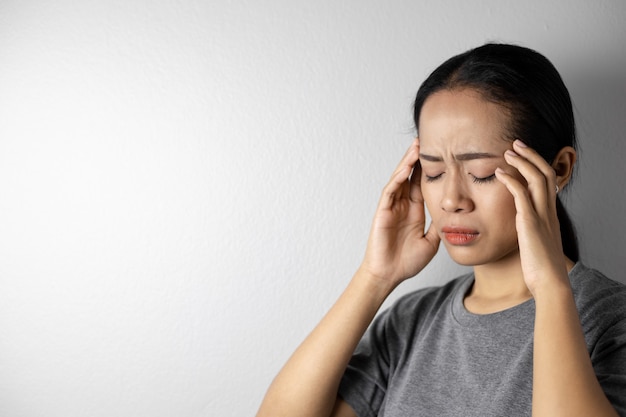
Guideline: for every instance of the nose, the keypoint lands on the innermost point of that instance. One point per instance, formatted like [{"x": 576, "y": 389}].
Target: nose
[{"x": 455, "y": 198}]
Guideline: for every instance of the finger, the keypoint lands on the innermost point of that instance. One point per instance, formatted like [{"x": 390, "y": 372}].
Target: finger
[
  {"x": 399, "y": 184},
  {"x": 521, "y": 197},
  {"x": 541, "y": 164},
  {"x": 395, "y": 188},
  {"x": 415, "y": 190},
  {"x": 526, "y": 212},
  {"x": 410, "y": 157},
  {"x": 432, "y": 236},
  {"x": 539, "y": 189}
]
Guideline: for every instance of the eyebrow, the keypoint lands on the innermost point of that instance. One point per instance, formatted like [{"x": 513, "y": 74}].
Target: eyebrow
[{"x": 460, "y": 157}]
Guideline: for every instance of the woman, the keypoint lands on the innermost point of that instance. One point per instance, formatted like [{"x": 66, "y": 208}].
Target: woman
[{"x": 532, "y": 331}]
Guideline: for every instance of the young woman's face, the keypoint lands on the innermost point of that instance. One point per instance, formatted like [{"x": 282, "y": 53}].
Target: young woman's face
[{"x": 462, "y": 142}]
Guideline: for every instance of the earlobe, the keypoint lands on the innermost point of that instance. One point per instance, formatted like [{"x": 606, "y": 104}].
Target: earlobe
[{"x": 563, "y": 165}]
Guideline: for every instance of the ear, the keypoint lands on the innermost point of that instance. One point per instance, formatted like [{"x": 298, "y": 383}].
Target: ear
[{"x": 563, "y": 165}]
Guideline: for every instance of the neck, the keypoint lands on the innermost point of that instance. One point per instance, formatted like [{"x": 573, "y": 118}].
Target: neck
[{"x": 499, "y": 286}]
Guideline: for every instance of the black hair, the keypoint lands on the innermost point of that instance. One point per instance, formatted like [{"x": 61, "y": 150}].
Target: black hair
[{"x": 530, "y": 89}]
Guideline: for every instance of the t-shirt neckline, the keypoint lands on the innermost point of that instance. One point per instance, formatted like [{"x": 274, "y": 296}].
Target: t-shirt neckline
[{"x": 518, "y": 312}]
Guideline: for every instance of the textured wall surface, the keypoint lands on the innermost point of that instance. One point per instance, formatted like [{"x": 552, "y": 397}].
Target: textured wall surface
[{"x": 186, "y": 186}]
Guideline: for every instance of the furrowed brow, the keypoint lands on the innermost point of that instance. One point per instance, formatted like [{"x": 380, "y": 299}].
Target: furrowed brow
[
  {"x": 430, "y": 158},
  {"x": 460, "y": 157},
  {"x": 474, "y": 155}
]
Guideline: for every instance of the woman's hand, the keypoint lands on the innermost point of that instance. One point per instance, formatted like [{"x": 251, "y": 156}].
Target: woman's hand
[
  {"x": 398, "y": 248},
  {"x": 564, "y": 381},
  {"x": 537, "y": 224}
]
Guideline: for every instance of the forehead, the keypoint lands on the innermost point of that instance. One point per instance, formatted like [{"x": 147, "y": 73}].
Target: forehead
[{"x": 462, "y": 121}]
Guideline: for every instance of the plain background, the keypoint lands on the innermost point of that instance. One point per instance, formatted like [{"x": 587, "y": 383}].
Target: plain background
[{"x": 187, "y": 186}]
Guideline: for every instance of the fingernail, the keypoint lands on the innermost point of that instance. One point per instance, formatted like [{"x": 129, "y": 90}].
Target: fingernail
[
  {"x": 521, "y": 144},
  {"x": 510, "y": 152}
]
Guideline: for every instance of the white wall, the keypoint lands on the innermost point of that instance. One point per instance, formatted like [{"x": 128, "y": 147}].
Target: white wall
[{"x": 186, "y": 186}]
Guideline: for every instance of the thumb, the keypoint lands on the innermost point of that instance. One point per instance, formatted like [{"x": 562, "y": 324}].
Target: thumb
[
  {"x": 432, "y": 236},
  {"x": 415, "y": 193}
]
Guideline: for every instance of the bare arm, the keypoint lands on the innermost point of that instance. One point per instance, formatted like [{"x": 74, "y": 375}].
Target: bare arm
[
  {"x": 564, "y": 382},
  {"x": 397, "y": 249},
  {"x": 307, "y": 385}
]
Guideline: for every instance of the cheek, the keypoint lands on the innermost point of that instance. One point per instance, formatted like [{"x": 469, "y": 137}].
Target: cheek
[{"x": 502, "y": 206}]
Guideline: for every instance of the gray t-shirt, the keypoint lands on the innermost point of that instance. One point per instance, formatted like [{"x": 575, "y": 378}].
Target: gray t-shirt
[{"x": 428, "y": 356}]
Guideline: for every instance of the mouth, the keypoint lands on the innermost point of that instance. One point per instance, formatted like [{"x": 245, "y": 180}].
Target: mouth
[{"x": 459, "y": 236}]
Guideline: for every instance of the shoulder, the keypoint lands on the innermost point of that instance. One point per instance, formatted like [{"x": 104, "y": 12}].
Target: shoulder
[
  {"x": 601, "y": 301},
  {"x": 413, "y": 313},
  {"x": 592, "y": 288}
]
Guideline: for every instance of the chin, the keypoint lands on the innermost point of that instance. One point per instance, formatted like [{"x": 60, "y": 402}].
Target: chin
[
  {"x": 466, "y": 262},
  {"x": 463, "y": 256},
  {"x": 473, "y": 256}
]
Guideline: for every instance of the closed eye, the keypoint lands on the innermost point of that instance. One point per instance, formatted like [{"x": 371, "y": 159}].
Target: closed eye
[
  {"x": 432, "y": 178},
  {"x": 483, "y": 180}
]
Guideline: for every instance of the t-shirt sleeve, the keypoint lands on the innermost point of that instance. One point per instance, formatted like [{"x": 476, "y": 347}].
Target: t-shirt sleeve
[
  {"x": 378, "y": 355},
  {"x": 364, "y": 382},
  {"x": 609, "y": 362},
  {"x": 602, "y": 310}
]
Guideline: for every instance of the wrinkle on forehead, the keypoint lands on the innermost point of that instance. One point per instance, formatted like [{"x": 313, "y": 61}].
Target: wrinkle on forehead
[
  {"x": 462, "y": 125},
  {"x": 460, "y": 157}
]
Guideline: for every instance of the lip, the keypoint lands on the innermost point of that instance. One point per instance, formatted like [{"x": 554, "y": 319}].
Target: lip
[{"x": 459, "y": 236}]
